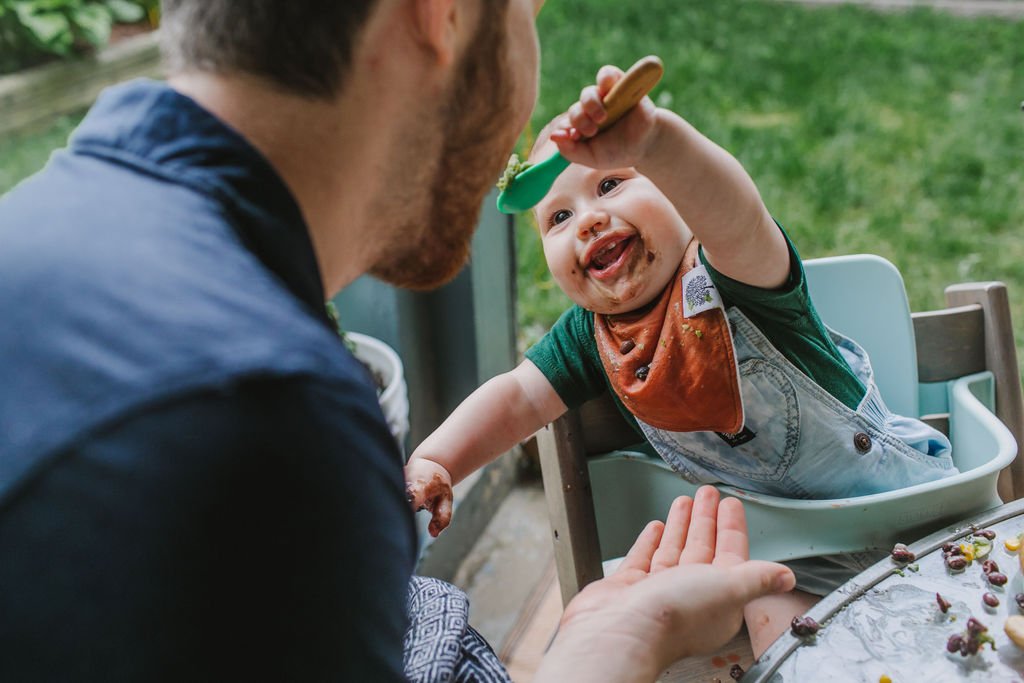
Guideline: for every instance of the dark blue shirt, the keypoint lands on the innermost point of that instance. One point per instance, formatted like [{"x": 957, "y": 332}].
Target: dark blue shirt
[{"x": 196, "y": 481}]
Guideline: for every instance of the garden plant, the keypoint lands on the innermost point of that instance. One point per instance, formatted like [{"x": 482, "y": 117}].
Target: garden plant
[{"x": 34, "y": 31}]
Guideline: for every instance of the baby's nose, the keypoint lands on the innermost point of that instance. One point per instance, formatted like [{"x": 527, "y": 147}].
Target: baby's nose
[{"x": 590, "y": 224}]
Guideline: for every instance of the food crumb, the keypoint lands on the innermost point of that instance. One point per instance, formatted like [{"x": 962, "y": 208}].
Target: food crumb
[
  {"x": 803, "y": 627},
  {"x": 902, "y": 554},
  {"x": 512, "y": 169}
]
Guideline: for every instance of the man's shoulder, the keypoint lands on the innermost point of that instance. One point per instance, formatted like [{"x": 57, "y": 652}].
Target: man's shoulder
[{"x": 112, "y": 304}]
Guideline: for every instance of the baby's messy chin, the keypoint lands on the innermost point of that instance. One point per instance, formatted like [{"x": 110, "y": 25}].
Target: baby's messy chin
[{"x": 624, "y": 297}]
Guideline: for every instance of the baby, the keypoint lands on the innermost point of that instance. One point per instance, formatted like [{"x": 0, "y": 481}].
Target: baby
[{"x": 691, "y": 306}]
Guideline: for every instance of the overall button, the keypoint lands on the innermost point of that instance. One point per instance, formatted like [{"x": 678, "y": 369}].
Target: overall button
[
  {"x": 862, "y": 442},
  {"x": 641, "y": 372},
  {"x": 627, "y": 346}
]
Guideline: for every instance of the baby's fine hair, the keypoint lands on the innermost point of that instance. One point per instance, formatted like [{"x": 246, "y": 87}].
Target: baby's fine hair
[{"x": 544, "y": 135}]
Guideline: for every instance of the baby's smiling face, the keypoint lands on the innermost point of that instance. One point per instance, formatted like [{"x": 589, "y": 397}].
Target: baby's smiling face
[{"x": 611, "y": 239}]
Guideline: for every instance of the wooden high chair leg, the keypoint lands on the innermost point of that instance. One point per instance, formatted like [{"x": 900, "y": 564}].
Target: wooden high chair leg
[{"x": 570, "y": 504}]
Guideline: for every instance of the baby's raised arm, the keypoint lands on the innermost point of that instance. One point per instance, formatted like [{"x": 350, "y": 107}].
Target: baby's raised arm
[
  {"x": 501, "y": 413},
  {"x": 707, "y": 185}
]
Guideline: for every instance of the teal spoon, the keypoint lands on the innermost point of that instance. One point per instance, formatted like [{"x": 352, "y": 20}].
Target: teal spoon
[{"x": 531, "y": 184}]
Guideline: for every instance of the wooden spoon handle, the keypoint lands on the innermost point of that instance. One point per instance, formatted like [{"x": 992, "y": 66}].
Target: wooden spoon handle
[{"x": 631, "y": 88}]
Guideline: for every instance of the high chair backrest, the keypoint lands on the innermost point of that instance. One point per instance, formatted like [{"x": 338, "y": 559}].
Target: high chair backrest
[
  {"x": 914, "y": 357},
  {"x": 863, "y": 297}
]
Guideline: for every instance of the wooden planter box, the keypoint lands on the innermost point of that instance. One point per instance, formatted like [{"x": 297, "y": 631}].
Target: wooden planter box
[{"x": 37, "y": 94}]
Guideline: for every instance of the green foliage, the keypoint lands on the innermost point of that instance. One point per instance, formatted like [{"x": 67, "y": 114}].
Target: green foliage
[
  {"x": 32, "y": 31},
  {"x": 898, "y": 134},
  {"x": 24, "y": 153}
]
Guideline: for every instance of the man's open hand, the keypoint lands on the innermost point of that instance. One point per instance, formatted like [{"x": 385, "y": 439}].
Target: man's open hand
[{"x": 679, "y": 591}]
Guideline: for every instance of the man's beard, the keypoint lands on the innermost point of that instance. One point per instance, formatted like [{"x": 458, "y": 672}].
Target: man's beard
[{"x": 430, "y": 248}]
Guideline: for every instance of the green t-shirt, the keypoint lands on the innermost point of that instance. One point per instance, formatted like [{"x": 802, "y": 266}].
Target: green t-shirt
[{"x": 567, "y": 354}]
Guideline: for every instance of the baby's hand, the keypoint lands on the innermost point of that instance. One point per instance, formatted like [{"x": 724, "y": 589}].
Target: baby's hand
[
  {"x": 624, "y": 144},
  {"x": 428, "y": 486}
]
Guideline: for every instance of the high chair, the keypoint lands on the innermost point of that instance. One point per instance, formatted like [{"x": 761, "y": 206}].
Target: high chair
[{"x": 956, "y": 368}]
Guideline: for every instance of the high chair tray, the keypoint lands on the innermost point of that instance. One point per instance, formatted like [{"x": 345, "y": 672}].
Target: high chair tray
[
  {"x": 637, "y": 486},
  {"x": 886, "y": 621}
]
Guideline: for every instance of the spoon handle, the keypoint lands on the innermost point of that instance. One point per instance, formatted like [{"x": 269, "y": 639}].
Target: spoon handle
[{"x": 631, "y": 88}]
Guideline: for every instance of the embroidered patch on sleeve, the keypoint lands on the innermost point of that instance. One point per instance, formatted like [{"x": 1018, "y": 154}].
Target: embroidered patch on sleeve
[
  {"x": 699, "y": 293},
  {"x": 739, "y": 438}
]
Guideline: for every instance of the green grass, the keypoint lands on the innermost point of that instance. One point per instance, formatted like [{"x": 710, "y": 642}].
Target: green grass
[
  {"x": 894, "y": 134},
  {"x": 24, "y": 153}
]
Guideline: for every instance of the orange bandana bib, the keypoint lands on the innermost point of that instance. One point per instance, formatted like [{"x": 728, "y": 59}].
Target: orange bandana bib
[{"x": 672, "y": 372}]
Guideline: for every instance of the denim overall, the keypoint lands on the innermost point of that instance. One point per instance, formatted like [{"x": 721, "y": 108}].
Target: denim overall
[{"x": 798, "y": 440}]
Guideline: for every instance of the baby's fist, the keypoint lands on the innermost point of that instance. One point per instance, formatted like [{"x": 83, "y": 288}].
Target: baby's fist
[{"x": 428, "y": 486}]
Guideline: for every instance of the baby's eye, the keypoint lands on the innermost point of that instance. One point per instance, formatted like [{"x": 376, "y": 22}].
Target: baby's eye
[
  {"x": 560, "y": 216},
  {"x": 607, "y": 185}
]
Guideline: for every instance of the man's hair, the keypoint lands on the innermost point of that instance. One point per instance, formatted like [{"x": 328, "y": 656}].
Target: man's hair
[{"x": 301, "y": 46}]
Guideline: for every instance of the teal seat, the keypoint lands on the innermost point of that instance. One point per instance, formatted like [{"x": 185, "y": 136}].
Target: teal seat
[{"x": 956, "y": 368}]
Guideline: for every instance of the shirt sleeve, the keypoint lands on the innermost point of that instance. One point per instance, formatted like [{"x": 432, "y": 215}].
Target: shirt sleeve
[
  {"x": 258, "y": 531},
  {"x": 787, "y": 318},
  {"x": 785, "y": 305},
  {"x": 567, "y": 356}
]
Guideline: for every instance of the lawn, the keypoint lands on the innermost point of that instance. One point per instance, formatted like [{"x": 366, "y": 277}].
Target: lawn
[{"x": 894, "y": 134}]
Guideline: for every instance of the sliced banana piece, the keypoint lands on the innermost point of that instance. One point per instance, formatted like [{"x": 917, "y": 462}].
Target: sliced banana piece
[{"x": 1014, "y": 628}]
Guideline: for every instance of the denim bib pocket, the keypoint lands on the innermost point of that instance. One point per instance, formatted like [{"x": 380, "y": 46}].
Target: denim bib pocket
[{"x": 771, "y": 412}]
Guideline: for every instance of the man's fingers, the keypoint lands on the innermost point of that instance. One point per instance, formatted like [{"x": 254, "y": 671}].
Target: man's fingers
[
  {"x": 674, "y": 537},
  {"x": 701, "y": 536},
  {"x": 756, "y": 578},
  {"x": 732, "y": 546},
  {"x": 639, "y": 556}
]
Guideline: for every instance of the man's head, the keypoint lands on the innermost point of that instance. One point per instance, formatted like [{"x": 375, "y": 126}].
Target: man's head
[
  {"x": 393, "y": 120},
  {"x": 487, "y": 105},
  {"x": 303, "y": 47},
  {"x": 612, "y": 240}
]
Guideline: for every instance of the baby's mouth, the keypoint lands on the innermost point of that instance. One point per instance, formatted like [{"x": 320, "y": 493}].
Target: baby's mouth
[{"x": 610, "y": 258}]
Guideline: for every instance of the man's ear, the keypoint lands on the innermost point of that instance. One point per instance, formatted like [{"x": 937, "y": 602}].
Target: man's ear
[{"x": 437, "y": 25}]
